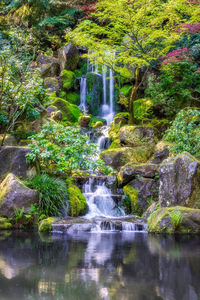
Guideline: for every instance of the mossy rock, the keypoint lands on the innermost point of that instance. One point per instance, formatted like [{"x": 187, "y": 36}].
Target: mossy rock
[
  {"x": 95, "y": 120},
  {"x": 97, "y": 124},
  {"x": 174, "y": 220},
  {"x": 115, "y": 144},
  {"x": 70, "y": 111},
  {"x": 132, "y": 195},
  {"x": 134, "y": 136},
  {"x": 84, "y": 121},
  {"x": 5, "y": 224},
  {"x": 77, "y": 201},
  {"x": 118, "y": 157},
  {"x": 51, "y": 83},
  {"x": 161, "y": 125},
  {"x": 73, "y": 98},
  {"x": 46, "y": 224},
  {"x": 67, "y": 78},
  {"x": 121, "y": 118}
]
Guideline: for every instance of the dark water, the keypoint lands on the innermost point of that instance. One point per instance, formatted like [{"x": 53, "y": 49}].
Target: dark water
[{"x": 93, "y": 266}]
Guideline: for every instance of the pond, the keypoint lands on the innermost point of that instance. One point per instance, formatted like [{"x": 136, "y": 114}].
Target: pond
[{"x": 92, "y": 266}]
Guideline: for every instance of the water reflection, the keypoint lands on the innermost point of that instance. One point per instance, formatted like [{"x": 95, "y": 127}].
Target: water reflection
[{"x": 92, "y": 266}]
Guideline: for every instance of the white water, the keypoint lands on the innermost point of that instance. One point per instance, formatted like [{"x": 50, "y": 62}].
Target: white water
[
  {"x": 83, "y": 95},
  {"x": 103, "y": 140},
  {"x": 100, "y": 201}
]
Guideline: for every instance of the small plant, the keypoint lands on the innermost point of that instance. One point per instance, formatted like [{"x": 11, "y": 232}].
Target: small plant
[
  {"x": 18, "y": 212},
  {"x": 175, "y": 217},
  {"x": 52, "y": 195}
]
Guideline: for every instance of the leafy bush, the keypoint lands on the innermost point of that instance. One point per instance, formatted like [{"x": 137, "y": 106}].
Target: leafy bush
[
  {"x": 185, "y": 132},
  {"x": 52, "y": 194},
  {"x": 60, "y": 150}
]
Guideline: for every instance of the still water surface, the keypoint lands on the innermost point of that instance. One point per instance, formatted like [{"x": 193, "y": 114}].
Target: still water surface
[{"x": 94, "y": 266}]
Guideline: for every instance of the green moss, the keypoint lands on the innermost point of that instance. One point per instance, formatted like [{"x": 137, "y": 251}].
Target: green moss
[
  {"x": 141, "y": 108},
  {"x": 95, "y": 120},
  {"x": 115, "y": 144},
  {"x": 46, "y": 225},
  {"x": 5, "y": 224},
  {"x": 132, "y": 195},
  {"x": 77, "y": 202},
  {"x": 67, "y": 78},
  {"x": 70, "y": 111},
  {"x": 73, "y": 98},
  {"x": 97, "y": 124}
]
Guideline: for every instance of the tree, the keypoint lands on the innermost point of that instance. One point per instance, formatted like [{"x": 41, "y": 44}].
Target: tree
[
  {"x": 138, "y": 32},
  {"x": 21, "y": 92}
]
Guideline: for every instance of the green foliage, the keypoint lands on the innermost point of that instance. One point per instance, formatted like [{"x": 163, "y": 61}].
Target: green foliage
[
  {"x": 77, "y": 202},
  {"x": 185, "y": 132},
  {"x": 175, "y": 88},
  {"x": 60, "y": 150},
  {"x": 18, "y": 214},
  {"x": 21, "y": 91},
  {"x": 52, "y": 194},
  {"x": 141, "y": 108},
  {"x": 67, "y": 79},
  {"x": 175, "y": 217}
]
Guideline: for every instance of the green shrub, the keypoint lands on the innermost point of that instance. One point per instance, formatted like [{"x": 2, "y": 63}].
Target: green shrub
[
  {"x": 53, "y": 193},
  {"x": 175, "y": 217},
  {"x": 185, "y": 132}
]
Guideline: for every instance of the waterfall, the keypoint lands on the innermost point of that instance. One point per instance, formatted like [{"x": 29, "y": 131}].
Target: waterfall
[
  {"x": 103, "y": 141},
  {"x": 83, "y": 95},
  {"x": 100, "y": 201},
  {"x": 104, "y": 85}
]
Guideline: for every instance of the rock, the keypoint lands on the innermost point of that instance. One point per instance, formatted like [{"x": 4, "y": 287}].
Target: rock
[
  {"x": 161, "y": 153},
  {"x": 49, "y": 66},
  {"x": 142, "y": 191},
  {"x": 51, "y": 83},
  {"x": 150, "y": 209},
  {"x": 70, "y": 111},
  {"x": 180, "y": 181},
  {"x": 13, "y": 160},
  {"x": 134, "y": 136},
  {"x": 9, "y": 140},
  {"x": 50, "y": 109},
  {"x": 14, "y": 194},
  {"x": 57, "y": 116},
  {"x": 121, "y": 118},
  {"x": 46, "y": 224},
  {"x": 97, "y": 124},
  {"x": 132, "y": 170},
  {"x": 119, "y": 157},
  {"x": 84, "y": 121},
  {"x": 5, "y": 224},
  {"x": 68, "y": 57},
  {"x": 174, "y": 220},
  {"x": 77, "y": 201}
]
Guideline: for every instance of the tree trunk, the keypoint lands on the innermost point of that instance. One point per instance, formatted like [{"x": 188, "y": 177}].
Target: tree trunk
[{"x": 133, "y": 96}]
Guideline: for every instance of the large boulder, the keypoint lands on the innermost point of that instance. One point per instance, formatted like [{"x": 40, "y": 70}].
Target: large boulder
[
  {"x": 131, "y": 170},
  {"x": 15, "y": 195},
  {"x": 134, "y": 136},
  {"x": 49, "y": 66},
  {"x": 51, "y": 84},
  {"x": 180, "y": 181},
  {"x": 119, "y": 157},
  {"x": 68, "y": 57},
  {"x": 13, "y": 160},
  {"x": 142, "y": 192},
  {"x": 174, "y": 220}
]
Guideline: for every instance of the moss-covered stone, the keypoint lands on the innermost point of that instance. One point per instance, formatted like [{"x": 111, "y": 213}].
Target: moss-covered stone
[
  {"x": 84, "y": 121},
  {"x": 77, "y": 202},
  {"x": 115, "y": 144},
  {"x": 97, "y": 124},
  {"x": 118, "y": 157},
  {"x": 70, "y": 111},
  {"x": 174, "y": 220},
  {"x": 5, "y": 224},
  {"x": 67, "y": 78},
  {"x": 132, "y": 195},
  {"x": 121, "y": 118},
  {"x": 73, "y": 98},
  {"x": 46, "y": 224},
  {"x": 51, "y": 83}
]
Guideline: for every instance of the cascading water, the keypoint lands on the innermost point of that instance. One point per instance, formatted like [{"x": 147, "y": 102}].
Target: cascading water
[
  {"x": 100, "y": 201},
  {"x": 83, "y": 95}
]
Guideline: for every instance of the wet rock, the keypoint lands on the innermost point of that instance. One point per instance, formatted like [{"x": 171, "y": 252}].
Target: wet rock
[
  {"x": 161, "y": 153},
  {"x": 134, "y": 136},
  {"x": 15, "y": 195},
  {"x": 174, "y": 220},
  {"x": 13, "y": 160},
  {"x": 84, "y": 121},
  {"x": 180, "y": 181},
  {"x": 150, "y": 209},
  {"x": 51, "y": 83},
  {"x": 95, "y": 90},
  {"x": 68, "y": 57},
  {"x": 142, "y": 192},
  {"x": 131, "y": 170},
  {"x": 49, "y": 66}
]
